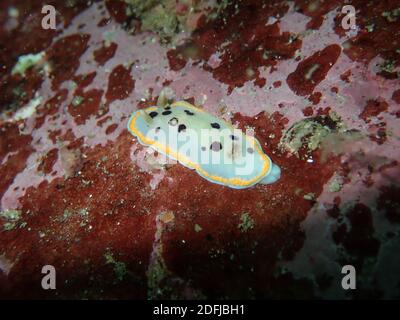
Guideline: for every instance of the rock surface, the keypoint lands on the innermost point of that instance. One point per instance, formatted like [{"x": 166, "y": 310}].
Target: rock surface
[{"x": 78, "y": 192}]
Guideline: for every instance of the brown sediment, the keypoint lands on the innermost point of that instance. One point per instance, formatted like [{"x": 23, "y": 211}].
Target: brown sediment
[
  {"x": 312, "y": 70},
  {"x": 64, "y": 55},
  {"x": 105, "y": 53},
  {"x": 120, "y": 84}
]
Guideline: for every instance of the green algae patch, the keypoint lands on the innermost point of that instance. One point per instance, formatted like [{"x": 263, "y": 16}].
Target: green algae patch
[
  {"x": 157, "y": 16},
  {"x": 168, "y": 19},
  {"x": 336, "y": 184},
  {"x": 392, "y": 16},
  {"x": 308, "y": 134},
  {"x": 246, "y": 222},
  {"x": 120, "y": 269},
  {"x": 11, "y": 218},
  {"x": 197, "y": 228},
  {"x": 77, "y": 100},
  {"x": 28, "y": 110},
  {"x": 156, "y": 276},
  {"x": 160, "y": 20},
  {"x": 80, "y": 216},
  {"x": 309, "y": 196},
  {"x": 66, "y": 214},
  {"x": 27, "y": 61}
]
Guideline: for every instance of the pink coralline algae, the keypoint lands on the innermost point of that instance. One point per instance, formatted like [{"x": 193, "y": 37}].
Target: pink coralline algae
[{"x": 78, "y": 192}]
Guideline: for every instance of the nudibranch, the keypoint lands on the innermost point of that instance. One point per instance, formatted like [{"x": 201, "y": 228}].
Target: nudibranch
[{"x": 200, "y": 141}]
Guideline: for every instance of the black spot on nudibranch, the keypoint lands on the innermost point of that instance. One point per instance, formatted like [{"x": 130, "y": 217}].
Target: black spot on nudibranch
[
  {"x": 158, "y": 129},
  {"x": 190, "y": 113},
  {"x": 235, "y": 138},
  {"x": 181, "y": 127},
  {"x": 215, "y": 125},
  {"x": 165, "y": 113},
  {"x": 203, "y": 148},
  {"x": 167, "y": 108},
  {"x": 173, "y": 122},
  {"x": 216, "y": 146},
  {"x": 250, "y": 150},
  {"x": 153, "y": 114}
]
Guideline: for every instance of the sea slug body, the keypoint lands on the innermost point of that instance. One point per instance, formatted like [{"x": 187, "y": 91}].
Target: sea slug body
[{"x": 200, "y": 141}]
